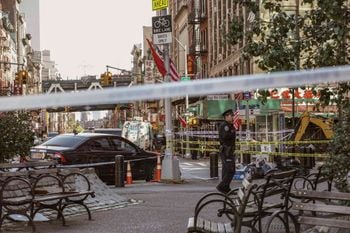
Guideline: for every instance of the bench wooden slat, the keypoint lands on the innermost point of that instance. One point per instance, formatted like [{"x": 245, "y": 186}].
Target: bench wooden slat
[
  {"x": 190, "y": 224},
  {"x": 324, "y": 222},
  {"x": 322, "y": 195},
  {"x": 200, "y": 223},
  {"x": 30, "y": 164},
  {"x": 17, "y": 201},
  {"x": 54, "y": 196},
  {"x": 214, "y": 227},
  {"x": 207, "y": 226},
  {"x": 228, "y": 228},
  {"x": 221, "y": 228},
  {"x": 43, "y": 171},
  {"x": 322, "y": 208},
  {"x": 14, "y": 174}
]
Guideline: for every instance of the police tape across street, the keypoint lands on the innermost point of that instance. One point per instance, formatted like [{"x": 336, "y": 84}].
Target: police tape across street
[{"x": 232, "y": 84}]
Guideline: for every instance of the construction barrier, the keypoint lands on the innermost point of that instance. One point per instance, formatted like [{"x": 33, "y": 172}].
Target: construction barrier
[
  {"x": 128, "y": 174},
  {"x": 158, "y": 171}
]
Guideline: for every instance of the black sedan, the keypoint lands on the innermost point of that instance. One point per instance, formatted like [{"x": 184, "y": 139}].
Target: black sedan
[{"x": 87, "y": 148}]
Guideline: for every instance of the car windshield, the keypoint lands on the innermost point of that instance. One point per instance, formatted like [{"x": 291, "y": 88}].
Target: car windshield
[{"x": 65, "y": 141}]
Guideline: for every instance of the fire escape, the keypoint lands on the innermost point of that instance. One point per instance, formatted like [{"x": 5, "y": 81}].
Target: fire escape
[{"x": 197, "y": 20}]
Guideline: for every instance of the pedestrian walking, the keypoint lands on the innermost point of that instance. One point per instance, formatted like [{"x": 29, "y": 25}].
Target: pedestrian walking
[{"x": 227, "y": 137}]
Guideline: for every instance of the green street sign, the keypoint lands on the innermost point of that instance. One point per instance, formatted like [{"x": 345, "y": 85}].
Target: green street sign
[
  {"x": 159, "y": 4},
  {"x": 184, "y": 78}
]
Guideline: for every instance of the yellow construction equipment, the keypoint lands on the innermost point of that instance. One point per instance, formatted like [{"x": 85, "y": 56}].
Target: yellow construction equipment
[{"x": 323, "y": 123}]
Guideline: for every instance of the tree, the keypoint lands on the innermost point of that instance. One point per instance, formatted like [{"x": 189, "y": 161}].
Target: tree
[
  {"x": 337, "y": 165},
  {"x": 291, "y": 41},
  {"x": 16, "y": 135},
  {"x": 285, "y": 41}
]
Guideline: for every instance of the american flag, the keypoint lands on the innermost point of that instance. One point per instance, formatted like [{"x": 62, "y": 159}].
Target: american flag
[
  {"x": 157, "y": 55},
  {"x": 236, "y": 120},
  {"x": 182, "y": 120}
]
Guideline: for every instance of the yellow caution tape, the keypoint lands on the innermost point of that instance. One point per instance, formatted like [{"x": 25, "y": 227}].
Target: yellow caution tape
[
  {"x": 284, "y": 154},
  {"x": 256, "y": 143}
]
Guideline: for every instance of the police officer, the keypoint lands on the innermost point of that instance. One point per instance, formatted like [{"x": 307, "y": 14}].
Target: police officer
[{"x": 227, "y": 137}]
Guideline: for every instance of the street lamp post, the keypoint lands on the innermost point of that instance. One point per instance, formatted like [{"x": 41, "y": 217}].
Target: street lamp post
[{"x": 188, "y": 154}]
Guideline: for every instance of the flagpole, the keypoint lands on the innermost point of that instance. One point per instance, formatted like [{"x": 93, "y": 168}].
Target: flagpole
[
  {"x": 187, "y": 153},
  {"x": 170, "y": 164}
]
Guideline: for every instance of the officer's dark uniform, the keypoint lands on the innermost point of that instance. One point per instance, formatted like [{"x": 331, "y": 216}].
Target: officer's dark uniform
[{"x": 227, "y": 136}]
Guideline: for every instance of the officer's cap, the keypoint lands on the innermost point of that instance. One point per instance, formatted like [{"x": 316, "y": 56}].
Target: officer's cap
[{"x": 227, "y": 112}]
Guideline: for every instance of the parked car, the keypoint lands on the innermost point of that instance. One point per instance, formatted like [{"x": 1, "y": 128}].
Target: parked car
[{"x": 87, "y": 148}]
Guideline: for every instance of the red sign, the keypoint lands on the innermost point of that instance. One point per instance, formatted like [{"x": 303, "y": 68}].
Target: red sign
[{"x": 298, "y": 93}]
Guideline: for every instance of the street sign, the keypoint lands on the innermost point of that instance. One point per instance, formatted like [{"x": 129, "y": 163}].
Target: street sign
[
  {"x": 247, "y": 95},
  {"x": 184, "y": 78},
  {"x": 159, "y": 4},
  {"x": 161, "y": 29}
]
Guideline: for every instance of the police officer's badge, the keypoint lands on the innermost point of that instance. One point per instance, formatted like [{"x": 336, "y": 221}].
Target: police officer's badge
[{"x": 227, "y": 128}]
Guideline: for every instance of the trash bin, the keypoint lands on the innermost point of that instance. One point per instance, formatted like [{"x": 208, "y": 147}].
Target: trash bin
[{"x": 214, "y": 167}]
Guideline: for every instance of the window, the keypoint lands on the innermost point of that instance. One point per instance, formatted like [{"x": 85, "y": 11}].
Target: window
[
  {"x": 99, "y": 144},
  {"x": 64, "y": 141},
  {"x": 121, "y": 145}
]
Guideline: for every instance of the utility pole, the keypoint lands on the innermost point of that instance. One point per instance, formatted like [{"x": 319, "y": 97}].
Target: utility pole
[{"x": 170, "y": 163}]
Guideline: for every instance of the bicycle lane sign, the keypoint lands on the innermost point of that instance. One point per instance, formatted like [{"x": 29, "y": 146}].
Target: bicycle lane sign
[{"x": 161, "y": 29}]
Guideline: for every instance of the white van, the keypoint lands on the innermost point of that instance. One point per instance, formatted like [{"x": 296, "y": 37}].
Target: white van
[
  {"x": 138, "y": 132},
  {"x": 114, "y": 131}
]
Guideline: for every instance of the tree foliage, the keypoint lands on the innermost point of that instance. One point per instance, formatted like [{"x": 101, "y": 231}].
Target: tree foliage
[
  {"x": 316, "y": 37},
  {"x": 16, "y": 135},
  {"x": 337, "y": 165}
]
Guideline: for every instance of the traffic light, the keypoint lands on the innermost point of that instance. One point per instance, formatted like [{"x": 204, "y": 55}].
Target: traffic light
[
  {"x": 17, "y": 79},
  {"x": 109, "y": 78},
  {"x": 103, "y": 79},
  {"x": 106, "y": 79},
  {"x": 23, "y": 74}
]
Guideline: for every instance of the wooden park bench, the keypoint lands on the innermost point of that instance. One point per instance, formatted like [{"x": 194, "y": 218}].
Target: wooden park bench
[
  {"x": 313, "y": 181},
  {"x": 333, "y": 210},
  {"x": 28, "y": 192},
  {"x": 200, "y": 224},
  {"x": 247, "y": 209},
  {"x": 27, "y": 165}
]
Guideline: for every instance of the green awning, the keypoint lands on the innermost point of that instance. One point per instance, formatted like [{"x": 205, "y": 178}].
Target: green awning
[{"x": 217, "y": 107}]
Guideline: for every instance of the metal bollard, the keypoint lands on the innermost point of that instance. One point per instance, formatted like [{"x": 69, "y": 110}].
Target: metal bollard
[
  {"x": 214, "y": 167},
  {"x": 119, "y": 171}
]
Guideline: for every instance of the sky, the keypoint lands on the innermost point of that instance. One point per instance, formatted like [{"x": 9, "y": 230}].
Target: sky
[{"x": 86, "y": 35}]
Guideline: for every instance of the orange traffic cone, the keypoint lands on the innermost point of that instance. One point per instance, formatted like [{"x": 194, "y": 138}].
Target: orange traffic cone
[
  {"x": 158, "y": 171},
  {"x": 128, "y": 174}
]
